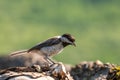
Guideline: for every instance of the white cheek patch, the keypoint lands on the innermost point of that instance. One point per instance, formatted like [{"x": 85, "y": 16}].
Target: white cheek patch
[
  {"x": 58, "y": 36},
  {"x": 65, "y": 40}
]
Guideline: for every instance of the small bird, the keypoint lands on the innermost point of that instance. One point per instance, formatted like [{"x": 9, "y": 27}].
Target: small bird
[
  {"x": 39, "y": 54},
  {"x": 52, "y": 46}
]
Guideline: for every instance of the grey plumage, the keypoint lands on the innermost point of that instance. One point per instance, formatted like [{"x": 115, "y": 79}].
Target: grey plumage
[
  {"x": 39, "y": 54},
  {"x": 54, "y": 45},
  {"x": 47, "y": 43}
]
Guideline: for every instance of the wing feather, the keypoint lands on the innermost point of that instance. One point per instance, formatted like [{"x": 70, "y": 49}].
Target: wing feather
[{"x": 49, "y": 42}]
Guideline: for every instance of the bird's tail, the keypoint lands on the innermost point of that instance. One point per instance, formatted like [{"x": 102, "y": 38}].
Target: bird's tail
[{"x": 18, "y": 52}]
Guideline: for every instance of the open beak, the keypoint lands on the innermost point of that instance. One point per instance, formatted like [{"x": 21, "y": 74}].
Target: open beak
[{"x": 74, "y": 44}]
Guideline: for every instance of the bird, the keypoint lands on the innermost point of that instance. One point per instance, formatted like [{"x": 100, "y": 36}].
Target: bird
[{"x": 54, "y": 45}]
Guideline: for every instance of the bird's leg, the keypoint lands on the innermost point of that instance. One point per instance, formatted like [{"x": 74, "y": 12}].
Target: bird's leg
[{"x": 50, "y": 60}]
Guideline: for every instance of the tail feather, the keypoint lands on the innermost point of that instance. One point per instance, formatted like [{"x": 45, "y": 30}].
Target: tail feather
[{"x": 18, "y": 52}]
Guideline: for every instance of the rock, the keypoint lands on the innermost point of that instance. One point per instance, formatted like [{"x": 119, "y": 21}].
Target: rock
[
  {"x": 91, "y": 71},
  {"x": 56, "y": 71},
  {"x": 87, "y": 70}
]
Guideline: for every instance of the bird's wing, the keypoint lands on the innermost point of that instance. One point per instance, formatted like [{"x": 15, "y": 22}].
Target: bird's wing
[{"x": 49, "y": 42}]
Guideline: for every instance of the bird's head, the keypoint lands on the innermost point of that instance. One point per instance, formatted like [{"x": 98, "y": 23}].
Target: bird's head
[{"x": 67, "y": 39}]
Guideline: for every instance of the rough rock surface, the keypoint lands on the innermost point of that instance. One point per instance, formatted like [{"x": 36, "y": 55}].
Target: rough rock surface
[
  {"x": 83, "y": 71},
  {"x": 91, "y": 71},
  {"x": 56, "y": 71}
]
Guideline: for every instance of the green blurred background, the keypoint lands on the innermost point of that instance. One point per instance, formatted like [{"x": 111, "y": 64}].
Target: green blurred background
[{"x": 94, "y": 23}]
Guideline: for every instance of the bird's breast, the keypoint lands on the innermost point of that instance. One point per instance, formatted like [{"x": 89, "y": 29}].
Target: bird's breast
[{"x": 52, "y": 50}]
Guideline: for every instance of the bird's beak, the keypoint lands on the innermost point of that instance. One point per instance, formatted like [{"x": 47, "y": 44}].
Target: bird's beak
[{"x": 73, "y": 44}]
